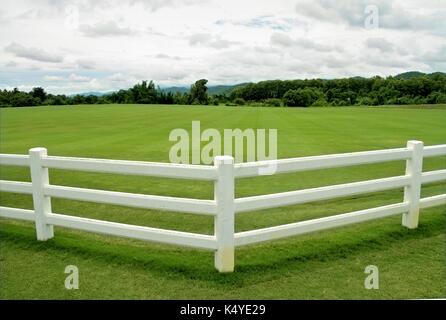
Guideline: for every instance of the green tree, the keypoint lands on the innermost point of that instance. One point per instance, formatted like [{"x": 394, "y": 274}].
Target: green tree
[
  {"x": 23, "y": 99},
  {"x": 299, "y": 97},
  {"x": 143, "y": 93},
  {"x": 239, "y": 102},
  {"x": 198, "y": 92},
  {"x": 39, "y": 94},
  {"x": 273, "y": 102}
]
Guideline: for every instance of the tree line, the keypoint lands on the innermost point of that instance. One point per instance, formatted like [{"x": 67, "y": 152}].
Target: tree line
[
  {"x": 143, "y": 93},
  {"x": 425, "y": 89},
  {"x": 420, "y": 89}
]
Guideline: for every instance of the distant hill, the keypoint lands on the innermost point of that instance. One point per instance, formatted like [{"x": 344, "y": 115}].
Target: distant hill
[
  {"x": 212, "y": 90},
  {"x": 91, "y": 93},
  {"x": 442, "y": 74},
  {"x": 226, "y": 89},
  {"x": 415, "y": 74},
  {"x": 176, "y": 89}
]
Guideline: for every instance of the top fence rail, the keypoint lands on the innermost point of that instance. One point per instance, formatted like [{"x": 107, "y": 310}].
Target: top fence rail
[
  {"x": 209, "y": 173},
  {"x": 143, "y": 168},
  {"x": 250, "y": 169}
]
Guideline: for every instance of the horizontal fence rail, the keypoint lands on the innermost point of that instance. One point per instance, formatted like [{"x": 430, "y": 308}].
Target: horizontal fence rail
[
  {"x": 434, "y": 151},
  {"x": 433, "y": 176},
  {"x": 207, "y": 207},
  {"x": 15, "y": 213},
  {"x": 134, "y": 232},
  {"x": 154, "y": 169},
  {"x": 292, "y": 229},
  {"x": 250, "y": 169},
  {"x": 16, "y": 187},
  {"x": 14, "y": 160},
  {"x": 322, "y": 193},
  {"x": 433, "y": 201},
  {"x": 224, "y": 206}
]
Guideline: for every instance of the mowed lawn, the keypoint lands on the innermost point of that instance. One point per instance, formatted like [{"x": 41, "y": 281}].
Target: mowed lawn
[{"x": 326, "y": 265}]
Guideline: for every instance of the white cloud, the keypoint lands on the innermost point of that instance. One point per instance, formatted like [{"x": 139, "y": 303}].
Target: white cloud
[
  {"x": 200, "y": 38},
  {"x": 113, "y": 44},
  {"x": 205, "y": 39},
  {"x": 32, "y": 53},
  {"x": 393, "y": 14},
  {"x": 11, "y": 64},
  {"x": 78, "y": 78},
  {"x": 166, "y": 56},
  {"x": 118, "y": 77},
  {"x": 265, "y": 22},
  {"x": 154, "y": 5},
  {"x": 85, "y": 63},
  {"x": 106, "y": 29},
  {"x": 381, "y": 44},
  {"x": 282, "y": 39},
  {"x": 53, "y": 78}
]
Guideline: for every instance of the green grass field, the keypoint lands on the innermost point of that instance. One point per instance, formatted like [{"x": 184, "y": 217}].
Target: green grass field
[{"x": 326, "y": 265}]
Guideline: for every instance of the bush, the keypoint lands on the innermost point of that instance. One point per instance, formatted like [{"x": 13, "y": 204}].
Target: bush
[
  {"x": 365, "y": 101},
  {"x": 300, "y": 97},
  {"x": 273, "y": 102},
  {"x": 436, "y": 97},
  {"x": 214, "y": 101},
  {"x": 321, "y": 102},
  {"x": 23, "y": 99},
  {"x": 405, "y": 100},
  {"x": 239, "y": 101}
]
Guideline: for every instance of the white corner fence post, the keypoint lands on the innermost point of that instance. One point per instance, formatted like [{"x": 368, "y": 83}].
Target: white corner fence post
[
  {"x": 224, "y": 220},
  {"x": 42, "y": 203},
  {"x": 414, "y": 169}
]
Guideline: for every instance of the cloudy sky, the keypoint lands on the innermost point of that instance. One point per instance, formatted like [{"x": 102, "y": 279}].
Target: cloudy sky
[{"x": 101, "y": 45}]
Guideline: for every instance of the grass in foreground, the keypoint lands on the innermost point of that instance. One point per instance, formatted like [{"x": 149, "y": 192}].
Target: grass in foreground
[{"x": 322, "y": 265}]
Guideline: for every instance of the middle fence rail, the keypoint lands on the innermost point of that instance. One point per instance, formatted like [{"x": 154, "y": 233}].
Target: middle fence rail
[{"x": 224, "y": 206}]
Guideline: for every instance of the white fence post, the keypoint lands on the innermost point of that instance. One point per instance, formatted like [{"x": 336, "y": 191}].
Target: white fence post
[
  {"x": 414, "y": 168},
  {"x": 42, "y": 203},
  {"x": 224, "y": 220}
]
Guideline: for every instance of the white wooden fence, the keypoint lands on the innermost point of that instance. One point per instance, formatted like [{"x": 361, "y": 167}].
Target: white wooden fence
[{"x": 224, "y": 206}]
